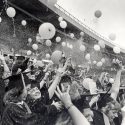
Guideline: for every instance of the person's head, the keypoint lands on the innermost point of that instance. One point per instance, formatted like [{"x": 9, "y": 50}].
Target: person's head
[
  {"x": 33, "y": 91},
  {"x": 110, "y": 107},
  {"x": 88, "y": 113}
]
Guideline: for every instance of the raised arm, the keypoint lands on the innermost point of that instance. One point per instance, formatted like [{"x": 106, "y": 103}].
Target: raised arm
[
  {"x": 116, "y": 86},
  {"x": 60, "y": 73},
  {"x": 77, "y": 117},
  {"x": 123, "y": 115},
  {"x": 6, "y": 68}
]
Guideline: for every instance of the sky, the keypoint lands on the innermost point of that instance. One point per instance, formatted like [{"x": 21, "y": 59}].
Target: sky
[{"x": 111, "y": 21}]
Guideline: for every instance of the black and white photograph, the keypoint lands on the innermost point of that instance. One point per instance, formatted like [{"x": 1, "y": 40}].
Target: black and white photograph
[{"x": 62, "y": 62}]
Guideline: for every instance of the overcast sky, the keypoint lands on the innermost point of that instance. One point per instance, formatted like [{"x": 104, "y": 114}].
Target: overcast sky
[{"x": 112, "y": 20}]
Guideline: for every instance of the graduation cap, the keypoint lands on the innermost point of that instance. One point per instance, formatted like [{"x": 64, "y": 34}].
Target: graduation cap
[
  {"x": 22, "y": 66},
  {"x": 15, "y": 80}
]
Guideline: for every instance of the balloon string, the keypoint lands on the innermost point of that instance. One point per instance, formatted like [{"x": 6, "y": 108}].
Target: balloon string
[{"x": 14, "y": 32}]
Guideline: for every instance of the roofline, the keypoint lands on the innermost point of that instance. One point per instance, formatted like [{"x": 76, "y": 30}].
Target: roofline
[{"x": 80, "y": 25}]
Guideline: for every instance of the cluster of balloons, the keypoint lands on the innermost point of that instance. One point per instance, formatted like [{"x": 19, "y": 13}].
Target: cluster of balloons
[{"x": 63, "y": 24}]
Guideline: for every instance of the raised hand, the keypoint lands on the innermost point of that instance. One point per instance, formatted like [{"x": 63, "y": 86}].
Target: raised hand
[
  {"x": 2, "y": 58},
  {"x": 64, "y": 96},
  {"x": 123, "y": 112},
  {"x": 58, "y": 105}
]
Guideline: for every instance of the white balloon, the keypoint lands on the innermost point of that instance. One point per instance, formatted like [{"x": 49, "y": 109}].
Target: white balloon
[
  {"x": 58, "y": 39},
  {"x": 82, "y": 48},
  {"x": 48, "y": 56},
  {"x": 112, "y": 36},
  {"x": 96, "y": 47},
  {"x": 99, "y": 64},
  {"x": 63, "y": 24},
  {"x": 103, "y": 60},
  {"x": 116, "y": 50},
  {"x": 87, "y": 57},
  {"x": 0, "y": 19},
  {"x": 111, "y": 80},
  {"x": 63, "y": 44},
  {"x": 48, "y": 43},
  {"x": 24, "y": 22},
  {"x": 101, "y": 44},
  {"x": 35, "y": 46},
  {"x": 29, "y": 52},
  {"x": 60, "y": 19},
  {"x": 72, "y": 35},
  {"x": 94, "y": 62},
  {"x": 81, "y": 33},
  {"x": 47, "y": 31},
  {"x": 11, "y": 12},
  {"x": 29, "y": 40},
  {"x": 71, "y": 46},
  {"x": 86, "y": 83}
]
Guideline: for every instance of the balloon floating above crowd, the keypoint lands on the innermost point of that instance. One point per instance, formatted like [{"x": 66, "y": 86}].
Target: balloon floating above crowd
[
  {"x": 35, "y": 46},
  {"x": 87, "y": 57},
  {"x": 48, "y": 56},
  {"x": 82, "y": 48},
  {"x": 58, "y": 39},
  {"x": 63, "y": 44},
  {"x": 116, "y": 50},
  {"x": 56, "y": 56},
  {"x": 63, "y": 24},
  {"x": 96, "y": 47},
  {"x": 99, "y": 64},
  {"x": 112, "y": 36},
  {"x": 81, "y": 33},
  {"x": 60, "y": 19},
  {"x": 98, "y": 13},
  {"x": 11, "y": 12},
  {"x": 48, "y": 43},
  {"x": 29, "y": 40},
  {"x": 29, "y": 52},
  {"x": 47, "y": 31},
  {"x": 24, "y": 23}
]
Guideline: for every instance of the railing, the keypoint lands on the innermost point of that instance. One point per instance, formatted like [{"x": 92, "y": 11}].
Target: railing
[{"x": 81, "y": 23}]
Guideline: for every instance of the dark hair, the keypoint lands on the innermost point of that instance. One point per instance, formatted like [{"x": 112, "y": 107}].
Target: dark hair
[
  {"x": 104, "y": 100},
  {"x": 66, "y": 78}
]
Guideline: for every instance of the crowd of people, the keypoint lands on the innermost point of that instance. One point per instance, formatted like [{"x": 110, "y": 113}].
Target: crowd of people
[{"x": 50, "y": 95}]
